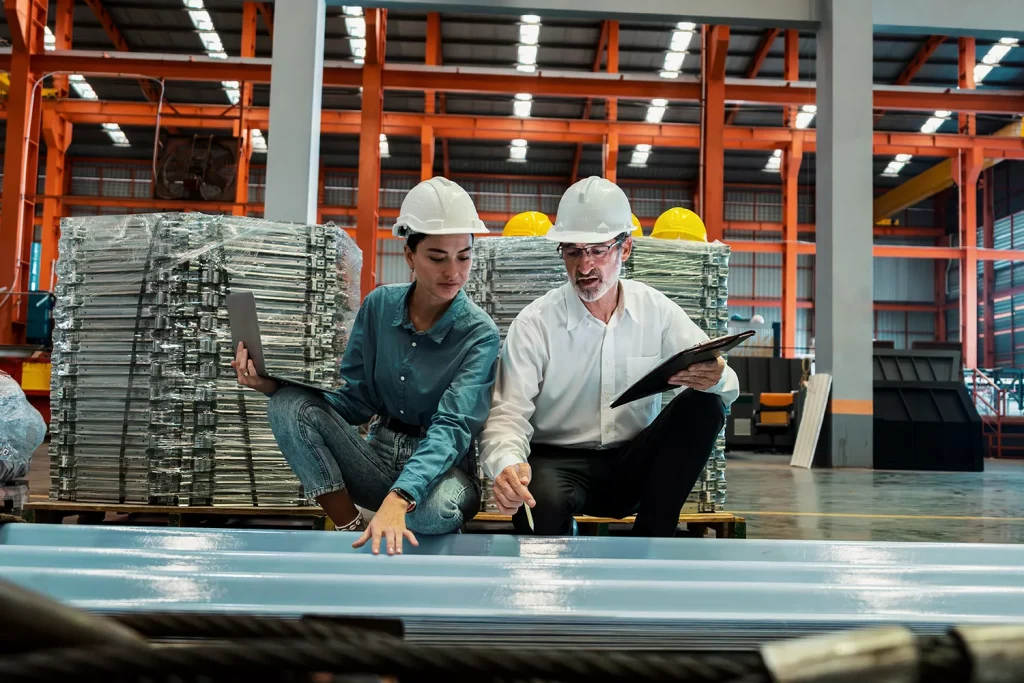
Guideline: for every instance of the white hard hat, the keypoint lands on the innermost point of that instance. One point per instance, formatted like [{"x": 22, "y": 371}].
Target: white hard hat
[
  {"x": 438, "y": 207},
  {"x": 591, "y": 211}
]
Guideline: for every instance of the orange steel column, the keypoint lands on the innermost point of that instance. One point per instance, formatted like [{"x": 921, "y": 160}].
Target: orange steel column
[
  {"x": 26, "y": 20},
  {"x": 369, "y": 146},
  {"x": 791, "y": 71},
  {"x": 57, "y": 134},
  {"x": 243, "y": 128},
  {"x": 712, "y": 149},
  {"x": 791, "y": 158},
  {"x": 610, "y": 151},
  {"x": 967, "y": 167},
  {"x": 433, "y": 58},
  {"x": 988, "y": 269}
]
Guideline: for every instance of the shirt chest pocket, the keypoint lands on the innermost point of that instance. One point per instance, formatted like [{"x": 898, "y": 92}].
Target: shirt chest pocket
[{"x": 638, "y": 366}]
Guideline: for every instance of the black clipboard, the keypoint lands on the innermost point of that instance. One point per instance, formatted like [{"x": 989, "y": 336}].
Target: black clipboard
[{"x": 656, "y": 381}]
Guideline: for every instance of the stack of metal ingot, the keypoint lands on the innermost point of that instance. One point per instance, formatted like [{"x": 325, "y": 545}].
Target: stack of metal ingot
[
  {"x": 510, "y": 272},
  {"x": 695, "y": 275},
  {"x": 146, "y": 407}
]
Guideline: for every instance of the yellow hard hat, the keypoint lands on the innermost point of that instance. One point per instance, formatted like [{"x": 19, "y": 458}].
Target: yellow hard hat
[
  {"x": 527, "y": 224},
  {"x": 638, "y": 230},
  {"x": 680, "y": 224}
]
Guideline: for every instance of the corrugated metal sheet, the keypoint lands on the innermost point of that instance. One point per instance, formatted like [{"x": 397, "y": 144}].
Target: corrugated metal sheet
[
  {"x": 391, "y": 265},
  {"x": 110, "y": 180},
  {"x": 898, "y": 279},
  {"x": 805, "y": 276}
]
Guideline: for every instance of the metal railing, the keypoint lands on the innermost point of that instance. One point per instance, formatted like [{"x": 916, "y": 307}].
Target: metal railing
[{"x": 992, "y": 402}]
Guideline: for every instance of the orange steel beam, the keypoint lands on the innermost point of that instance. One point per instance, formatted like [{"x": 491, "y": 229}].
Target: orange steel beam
[
  {"x": 602, "y": 41},
  {"x": 756, "y": 62},
  {"x": 538, "y": 129},
  {"x": 26, "y": 20},
  {"x": 924, "y": 53},
  {"x": 610, "y": 143},
  {"x": 266, "y": 11},
  {"x": 367, "y": 219},
  {"x": 898, "y": 306},
  {"x": 455, "y": 79},
  {"x": 808, "y": 228},
  {"x": 120, "y": 44},
  {"x": 243, "y": 128},
  {"x": 792, "y": 157},
  {"x": 57, "y": 135},
  {"x": 988, "y": 269},
  {"x": 714, "y": 51}
]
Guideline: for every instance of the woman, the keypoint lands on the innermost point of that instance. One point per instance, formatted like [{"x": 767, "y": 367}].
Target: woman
[{"x": 421, "y": 358}]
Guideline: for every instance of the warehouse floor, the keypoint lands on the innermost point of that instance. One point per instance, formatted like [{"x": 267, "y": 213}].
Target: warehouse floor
[{"x": 854, "y": 505}]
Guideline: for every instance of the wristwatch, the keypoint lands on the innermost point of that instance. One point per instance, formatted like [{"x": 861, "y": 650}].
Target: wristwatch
[{"x": 404, "y": 495}]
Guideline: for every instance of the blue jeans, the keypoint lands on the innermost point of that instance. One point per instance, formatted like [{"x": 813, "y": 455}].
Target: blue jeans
[{"x": 327, "y": 454}]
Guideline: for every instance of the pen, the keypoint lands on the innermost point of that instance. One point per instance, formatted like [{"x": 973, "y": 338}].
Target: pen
[{"x": 529, "y": 516}]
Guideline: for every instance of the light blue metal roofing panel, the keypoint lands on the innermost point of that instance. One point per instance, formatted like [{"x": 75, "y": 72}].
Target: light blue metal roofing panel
[{"x": 672, "y": 592}]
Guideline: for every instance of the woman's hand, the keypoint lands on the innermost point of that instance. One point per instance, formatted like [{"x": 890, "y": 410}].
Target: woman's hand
[
  {"x": 246, "y": 372},
  {"x": 389, "y": 523}
]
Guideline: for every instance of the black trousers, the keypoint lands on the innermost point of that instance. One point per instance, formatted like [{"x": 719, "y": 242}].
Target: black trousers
[{"x": 650, "y": 476}]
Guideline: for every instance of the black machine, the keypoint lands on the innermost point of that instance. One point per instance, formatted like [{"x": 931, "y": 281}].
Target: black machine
[{"x": 924, "y": 417}]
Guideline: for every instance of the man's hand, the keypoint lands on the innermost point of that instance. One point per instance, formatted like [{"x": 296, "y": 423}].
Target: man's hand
[
  {"x": 389, "y": 524},
  {"x": 510, "y": 490},
  {"x": 245, "y": 370},
  {"x": 701, "y": 376}
]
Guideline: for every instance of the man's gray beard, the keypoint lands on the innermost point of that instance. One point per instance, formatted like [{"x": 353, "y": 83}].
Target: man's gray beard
[{"x": 591, "y": 294}]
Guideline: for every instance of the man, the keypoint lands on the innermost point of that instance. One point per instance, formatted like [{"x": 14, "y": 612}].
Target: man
[{"x": 551, "y": 440}]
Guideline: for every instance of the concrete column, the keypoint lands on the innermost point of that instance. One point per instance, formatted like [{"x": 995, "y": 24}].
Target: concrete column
[
  {"x": 843, "y": 306},
  {"x": 296, "y": 84}
]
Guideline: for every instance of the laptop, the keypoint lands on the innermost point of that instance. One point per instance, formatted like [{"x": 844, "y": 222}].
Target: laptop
[
  {"x": 656, "y": 381},
  {"x": 245, "y": 328}
]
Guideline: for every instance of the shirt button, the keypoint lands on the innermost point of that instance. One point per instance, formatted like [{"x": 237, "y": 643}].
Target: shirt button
[
  {"x": 401, "y": 412},
  {"x": 402, "y": 378},
  {"x": 414, "y": 343}
]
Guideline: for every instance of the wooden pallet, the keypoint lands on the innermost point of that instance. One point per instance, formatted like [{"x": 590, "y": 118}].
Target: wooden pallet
[
  {"x": 725, "y": 524},
  {"x": 54, "y": 512}
]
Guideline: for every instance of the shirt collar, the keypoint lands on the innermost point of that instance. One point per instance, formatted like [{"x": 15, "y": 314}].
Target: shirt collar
[
  {"x": 576, "y": 311},
  {"x": 440, "y": 329}
]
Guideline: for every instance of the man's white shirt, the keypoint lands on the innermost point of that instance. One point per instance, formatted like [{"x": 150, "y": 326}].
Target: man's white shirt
[{"x": 560, "y": 368}]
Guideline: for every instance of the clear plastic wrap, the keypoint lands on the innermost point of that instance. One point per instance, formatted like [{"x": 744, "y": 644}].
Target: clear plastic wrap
[
  {"x": 22, "y": 429},
  {"x": 510, "y": 272},
  {"x": 145, "y": 405}
]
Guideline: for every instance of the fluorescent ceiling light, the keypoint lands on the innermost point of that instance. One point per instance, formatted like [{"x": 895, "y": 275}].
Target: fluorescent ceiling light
[
  {"x": 981, "y": 72},
  {"x": 352, "y": 11},
  {"x": 385, "y": 150},
  {"x": 519, "y": 142},
  {"x": 643, "y": 148},
  {"x": 526, "y": 68},
  {"x": 774, "y": 164},
  {"x": 674, "y": 61},
  {"x": 655, "y": 114},
  {"x": 521, "y": 108},
  {"x": 669, "y": 74},
  {"x": 686, "y": 26},
  {"x": 517, "y": 150},
  {"x": 680, "y": 41},
  {"x": 524, "y": 96},
  {"x": 355, "y": 27},
  {"x": 659, "y": 102},
  {"x": 639, "y": 159},
  {"x": 530, "y": 19},
  {"x": 527, "y": 54},
  {"x": 529, "y": 34}
]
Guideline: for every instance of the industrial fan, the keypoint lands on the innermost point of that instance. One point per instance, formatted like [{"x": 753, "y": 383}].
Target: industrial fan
[{"x": 200, "y": 167}]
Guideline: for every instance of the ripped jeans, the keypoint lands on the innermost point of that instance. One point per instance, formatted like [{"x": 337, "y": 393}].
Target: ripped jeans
[{"x": 327, "y": 454}]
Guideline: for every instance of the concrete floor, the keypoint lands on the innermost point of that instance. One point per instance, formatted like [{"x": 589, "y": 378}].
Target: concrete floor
[{"x": 854, "y": 505}]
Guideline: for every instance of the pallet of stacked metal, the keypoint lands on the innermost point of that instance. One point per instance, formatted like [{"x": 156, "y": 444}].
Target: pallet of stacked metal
[
  {"x": 209, "y": 442},
  {"x": 107, "y": 333},
  {"x": 695, "y": 275},
  {"x": 511, "y": 272}
]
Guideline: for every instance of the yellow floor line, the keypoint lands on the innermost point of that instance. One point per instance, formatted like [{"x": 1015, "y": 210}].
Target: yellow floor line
[{"x": 856, "y": 515}]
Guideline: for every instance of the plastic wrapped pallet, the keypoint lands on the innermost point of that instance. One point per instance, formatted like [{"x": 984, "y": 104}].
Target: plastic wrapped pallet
[
  {"x": 146, "y": 407},
  {"x": 22, "y": 429},
  {"x": 695, "y": 275},
  {"x": 510, "y": 272}
]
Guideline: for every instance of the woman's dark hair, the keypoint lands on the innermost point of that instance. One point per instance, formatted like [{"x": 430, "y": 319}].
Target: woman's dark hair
[{"x": 414, "y": 239}]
